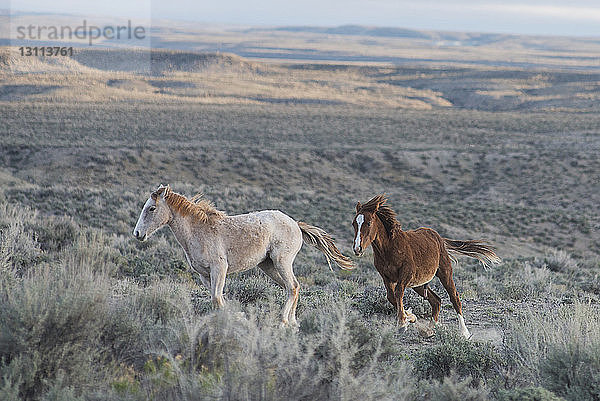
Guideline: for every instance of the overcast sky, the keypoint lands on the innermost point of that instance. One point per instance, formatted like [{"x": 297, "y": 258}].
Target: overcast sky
[{"x": 577, "y": 17}]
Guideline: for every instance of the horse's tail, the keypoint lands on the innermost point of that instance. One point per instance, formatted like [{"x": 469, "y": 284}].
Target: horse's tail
[
  {"x": 474, "y": 249},
  {"x": 323, "y": 242}
]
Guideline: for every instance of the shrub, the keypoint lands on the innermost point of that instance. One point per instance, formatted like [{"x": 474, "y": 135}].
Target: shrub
[
  {"x": 453, "y": 388},
  {"x": 55, "y": 233},
  {"x": 572, "y": 372},
  {"x": 58, "y": 391},
  {"x": 527, "y": 394},
  {"x": 50, "y": 325},
  {"x": 224, "y": 355},
  {"x": 136, "y": 320},
  {"x": 454, "y": 353},
  {"x": 373, "y": 300},
  {"x": 558, "y": 348},
  {"x": 560, "y": 261},
  {"x": 251, "y": 289},
  {"x": 528, "y": 282},
  {"x": 10, "y": 381},
  {"x": 146, "y": 261},
  {"x": 18, "y": 248},
  {"x": 95, "y": 251}
]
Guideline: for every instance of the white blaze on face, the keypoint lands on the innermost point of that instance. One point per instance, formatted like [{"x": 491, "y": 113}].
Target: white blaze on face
[
  {"x": 141, "y": 225},
  {"x": 360, "y": 219}
]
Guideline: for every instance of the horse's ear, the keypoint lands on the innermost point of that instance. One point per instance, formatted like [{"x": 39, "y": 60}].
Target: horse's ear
[
  {"x": 358, "y": 206},
  {"x": 162, "y": 191},
  {"x": 154, "y": 195}
]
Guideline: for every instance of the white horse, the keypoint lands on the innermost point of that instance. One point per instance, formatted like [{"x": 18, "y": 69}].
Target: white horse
[{"x": 216, "y": 244}]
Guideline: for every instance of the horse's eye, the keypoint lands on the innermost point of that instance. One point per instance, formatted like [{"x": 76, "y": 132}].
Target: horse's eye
[{"x": 152, "y": 208}]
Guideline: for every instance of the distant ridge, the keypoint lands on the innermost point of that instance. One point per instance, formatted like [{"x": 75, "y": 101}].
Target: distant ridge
[
  {"x": 358, "y": 30},
  {"x": 471, "y": 38},
  {"x": 156, "y": 62},
  {"x": 170, "y": 61}
]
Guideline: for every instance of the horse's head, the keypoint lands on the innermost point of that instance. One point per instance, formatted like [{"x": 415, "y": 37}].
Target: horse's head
[
  {"x": 367, "y": 221},
  {"x": 364, "y": 232},
  {"x": 155, "y": 214}
]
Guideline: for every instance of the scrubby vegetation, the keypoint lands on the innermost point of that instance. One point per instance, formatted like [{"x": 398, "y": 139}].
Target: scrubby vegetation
[{"x": 77, "y": 324}]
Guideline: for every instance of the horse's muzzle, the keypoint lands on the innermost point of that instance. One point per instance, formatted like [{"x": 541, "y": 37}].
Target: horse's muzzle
[
  {"x": 138, "y": 236},
  {"x": 359, "y": 251}
]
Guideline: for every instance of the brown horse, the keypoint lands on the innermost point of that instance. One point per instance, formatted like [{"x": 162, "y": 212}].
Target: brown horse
[{"x": 412, "y": 258}]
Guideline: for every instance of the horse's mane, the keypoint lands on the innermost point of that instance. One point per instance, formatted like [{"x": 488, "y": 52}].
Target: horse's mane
[
  {"x": 385, "y": 213},
  {"x": 197, "y": 207}
]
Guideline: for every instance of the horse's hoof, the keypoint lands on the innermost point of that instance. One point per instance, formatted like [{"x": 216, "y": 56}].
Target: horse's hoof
[
  {"x": 403, "y": 327},
  {"x": 289, "y": 325},
  {"x": 293, "y": 324},
  {"x": 238, "y": 315},
  {"x": 411, "y": 317},
  {"x": 425, "y": 330}
]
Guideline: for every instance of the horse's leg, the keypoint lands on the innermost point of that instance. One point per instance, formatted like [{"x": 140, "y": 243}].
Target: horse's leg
[
  {"x": 432, "y": 298},
  {"x": 218, "y": 272},
  {"x": 205, "y": 280},
  {"x": 436, "y": 303},
  {"x": 390, "y": 287},
  {"x": 268, "y": 267},
  {"x": 444, "y": 273},
  {"x": 399, "y": 294},
  {"x": 390, "y": 292},
  {"x": 283, "y": 266},
  {"x": 292, "y": 314}
]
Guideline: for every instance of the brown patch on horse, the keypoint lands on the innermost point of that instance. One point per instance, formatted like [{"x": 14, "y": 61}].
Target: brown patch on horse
[{"x": 198, "y": 208}]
